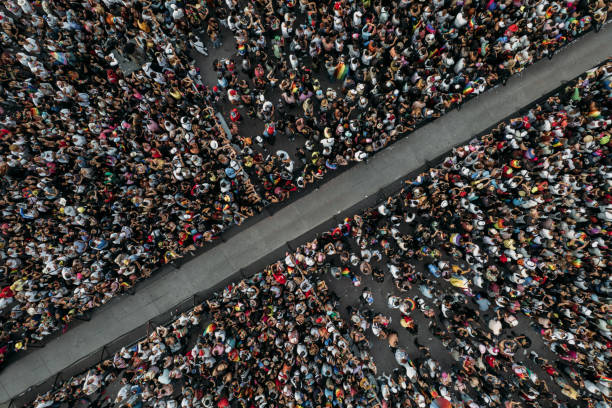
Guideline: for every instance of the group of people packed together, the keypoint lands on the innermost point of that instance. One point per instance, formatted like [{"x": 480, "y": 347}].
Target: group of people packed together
[
  {"x": 113, "y": 161},
  {"x": 511, "y": 231},
  {"x": 343, "y": 79}
]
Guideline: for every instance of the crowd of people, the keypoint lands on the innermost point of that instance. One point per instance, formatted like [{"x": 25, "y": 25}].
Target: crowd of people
[
  {"x": 113, "y": 161},
  {"x": 518, "y": 225},
  {"x": 350, "y": 77},
  {"x": 272, "y": 340},
  {"x": 512, "y": 228}
]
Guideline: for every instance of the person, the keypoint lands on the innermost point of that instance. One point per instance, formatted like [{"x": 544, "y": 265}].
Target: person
[{"x": 483, "y": 302}]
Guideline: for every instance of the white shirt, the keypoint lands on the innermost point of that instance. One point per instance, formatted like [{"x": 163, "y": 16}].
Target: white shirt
[{"x": 495, "y": 326}]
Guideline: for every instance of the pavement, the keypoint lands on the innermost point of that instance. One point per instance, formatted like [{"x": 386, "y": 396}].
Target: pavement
[{"x": 268, "y": 237}]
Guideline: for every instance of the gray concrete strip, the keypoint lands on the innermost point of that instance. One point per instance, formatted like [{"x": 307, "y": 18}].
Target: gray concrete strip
[{"x": 169, "y": 287}]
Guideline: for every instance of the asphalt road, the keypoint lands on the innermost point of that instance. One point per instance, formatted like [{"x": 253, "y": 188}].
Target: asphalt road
[{"x": 256, "y": 242}]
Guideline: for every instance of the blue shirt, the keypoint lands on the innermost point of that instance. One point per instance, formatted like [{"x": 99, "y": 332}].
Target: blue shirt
[{"x": 483, "y": 304}]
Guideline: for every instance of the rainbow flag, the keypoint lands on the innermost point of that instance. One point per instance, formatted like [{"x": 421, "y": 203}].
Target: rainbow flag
[
  {"x": 472, "y": 23},
  {"x": 342, "y": 71},
  {"x": 346, "y": 271},
  {"x": 60, "y": 57},
  {"x": 468, "y": 90},
  {"x": 26, "y": 192},
  {"x": 436, "y": 51},
  {"x": 234, "y": 356},
  {"x": 210, "y": 328},
  {"x": 594, "y": 114}
]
